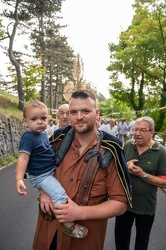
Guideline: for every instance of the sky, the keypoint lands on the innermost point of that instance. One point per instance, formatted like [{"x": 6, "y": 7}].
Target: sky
[{"x": 91, "y": 26}]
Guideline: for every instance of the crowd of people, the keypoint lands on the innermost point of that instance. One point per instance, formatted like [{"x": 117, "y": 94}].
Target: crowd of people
[
  {"x": 106, "y": 168},
  {"x": 118, "y": 128}
]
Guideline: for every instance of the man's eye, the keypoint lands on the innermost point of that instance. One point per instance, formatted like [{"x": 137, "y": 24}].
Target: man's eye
[
  {"x": 73, "y": 112},
  {"x": 85, "y": 112}
]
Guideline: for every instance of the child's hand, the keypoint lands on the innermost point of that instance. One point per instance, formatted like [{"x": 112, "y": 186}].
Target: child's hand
[{"x": 20, "y": 187}]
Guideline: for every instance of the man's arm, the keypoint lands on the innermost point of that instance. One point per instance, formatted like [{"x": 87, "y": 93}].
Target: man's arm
[
  {"x": 156, "y": 181},
  {"x": 72, "y": 212}
]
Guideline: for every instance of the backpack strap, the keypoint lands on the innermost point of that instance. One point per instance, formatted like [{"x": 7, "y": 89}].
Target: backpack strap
[
  {"x": 64, "y": 147},
  {"x": 93, "y": 162}
]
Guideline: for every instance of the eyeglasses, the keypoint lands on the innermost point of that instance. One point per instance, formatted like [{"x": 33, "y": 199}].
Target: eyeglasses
[{"x": 141, "y": 130}]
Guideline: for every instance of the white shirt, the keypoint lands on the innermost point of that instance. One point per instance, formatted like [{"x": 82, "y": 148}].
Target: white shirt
[
  {"x": 50, "y": 130},
  {"x": 112, "y": 131},
  {"x": 123, "y": 128},
  {"x": 102, "y": 127},
  {"x": 131, "y": 126}
]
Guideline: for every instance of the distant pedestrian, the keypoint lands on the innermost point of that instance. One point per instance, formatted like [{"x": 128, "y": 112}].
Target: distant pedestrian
[
  {"x": 131, "y": 127},
  {"x": 102, "y": 124},
  {"x": 112, "y": 128},
  {"x": 122, "y": 129},
  {"x": 50, "y": 128}
]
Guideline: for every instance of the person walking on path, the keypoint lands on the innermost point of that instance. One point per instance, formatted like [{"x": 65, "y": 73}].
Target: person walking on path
[
  {"x": 131, "y": 127},
  {"x": 50, "y": 128},
  {"x": 146, "y": 160},
  {"x": 112, "y": 128},
  {"x": 122, "y": 130}
]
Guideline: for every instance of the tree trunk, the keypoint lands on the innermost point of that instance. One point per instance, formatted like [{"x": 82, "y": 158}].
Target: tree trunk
[
  {"x": 15, "y": 62},
  {"x": 43, "y": 83}
]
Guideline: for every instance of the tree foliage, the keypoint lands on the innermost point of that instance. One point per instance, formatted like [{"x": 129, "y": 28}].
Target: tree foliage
[
  {"x": 56, "y": 60},
  {"x": 38, "y": 19},
  {"x": 113, "y": 108},
  {"x": 32, "y": 75},
  {"x": 1, "y": 30},
  {"x": 138, "y": 61}
]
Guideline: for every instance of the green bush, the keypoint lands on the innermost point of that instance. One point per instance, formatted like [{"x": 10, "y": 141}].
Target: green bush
[{"x": 9, "y": 159}]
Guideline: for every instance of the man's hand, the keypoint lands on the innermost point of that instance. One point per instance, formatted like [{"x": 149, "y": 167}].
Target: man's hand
[
  {"x": 133, "y": 169},
  {"x": 67, "y": 212}
]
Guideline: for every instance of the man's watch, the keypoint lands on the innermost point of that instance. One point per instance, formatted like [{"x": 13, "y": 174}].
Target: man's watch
[{"x": 144, "y": 177}]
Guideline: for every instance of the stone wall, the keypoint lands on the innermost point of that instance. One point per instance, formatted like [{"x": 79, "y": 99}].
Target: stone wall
[{"x": 11, "y": 130}]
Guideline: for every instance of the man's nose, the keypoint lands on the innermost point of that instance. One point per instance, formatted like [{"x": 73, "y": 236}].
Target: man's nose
[{"x": 79, "y": 115}]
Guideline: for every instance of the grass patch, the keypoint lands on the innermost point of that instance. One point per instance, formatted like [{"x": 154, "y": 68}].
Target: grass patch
[
  {"x": 9, "y": 108},
  {"x": 9, "y": 159},
  {"x": 9, "y": 105}
]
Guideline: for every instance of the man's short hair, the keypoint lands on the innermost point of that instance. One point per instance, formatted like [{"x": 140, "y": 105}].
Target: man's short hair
[
  {"x": 147, "y": 119},
  {"x": 83, "y": 94}
]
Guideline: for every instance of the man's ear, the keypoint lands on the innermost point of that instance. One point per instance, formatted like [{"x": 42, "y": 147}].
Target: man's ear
[{"x": 97, "y": 114}]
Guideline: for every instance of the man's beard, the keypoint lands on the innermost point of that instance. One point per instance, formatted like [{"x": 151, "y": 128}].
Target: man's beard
[{"x": 83, "y": 130}]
